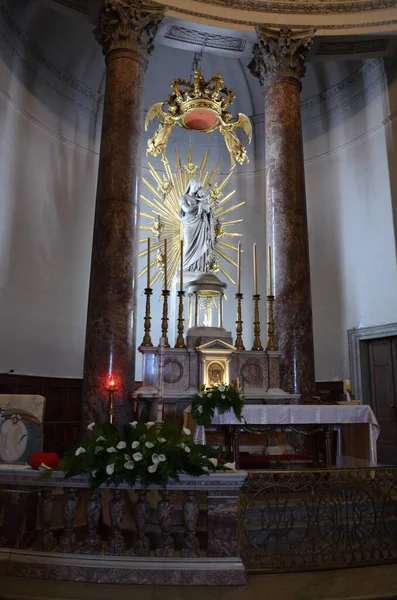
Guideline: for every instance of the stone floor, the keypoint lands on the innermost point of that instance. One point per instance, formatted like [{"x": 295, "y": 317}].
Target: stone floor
[{"x": 371, "y": 583}]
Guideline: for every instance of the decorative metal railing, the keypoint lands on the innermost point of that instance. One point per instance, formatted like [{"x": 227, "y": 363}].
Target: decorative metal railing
[
  {"x": 318, "y": 519},
  {"x": 187, "y": 533}
]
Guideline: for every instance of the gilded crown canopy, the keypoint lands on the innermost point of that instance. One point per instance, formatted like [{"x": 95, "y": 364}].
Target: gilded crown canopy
[{"x": 200, "y": 106}]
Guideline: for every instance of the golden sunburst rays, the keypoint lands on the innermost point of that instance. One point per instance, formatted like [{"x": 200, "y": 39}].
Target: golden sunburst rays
[{"x": 160, "y": 217}]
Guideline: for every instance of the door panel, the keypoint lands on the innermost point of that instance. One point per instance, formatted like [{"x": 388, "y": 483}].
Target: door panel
[{"x": 383, "y": 370}]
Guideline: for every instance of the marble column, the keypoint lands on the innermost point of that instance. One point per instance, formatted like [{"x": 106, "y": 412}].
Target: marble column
[
  {"x": 279, "y": 64},
  {"x": 125, "y": 31}
]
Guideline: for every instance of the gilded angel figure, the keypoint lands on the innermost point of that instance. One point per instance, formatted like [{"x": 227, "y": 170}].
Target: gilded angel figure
[
  {"x": 227, "y": 129},
  {"x": 158, "y": 143}
]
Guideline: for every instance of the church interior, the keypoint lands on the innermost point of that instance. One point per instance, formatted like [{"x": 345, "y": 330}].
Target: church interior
[{"x": 198, "y": 282}]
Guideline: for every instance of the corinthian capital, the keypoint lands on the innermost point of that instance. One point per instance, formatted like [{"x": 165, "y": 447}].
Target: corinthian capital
[
  {"x": 280, "y": 53},
  {"x": 129, "y": 24}
]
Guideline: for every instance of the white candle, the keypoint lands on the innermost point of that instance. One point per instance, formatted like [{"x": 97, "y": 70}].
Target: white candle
[
  {"x": 255, "y": 272},
  {"x": 165, "y": 264},
  {"x": 148, "y": 262},
  {"x": 181, "y": 282},
  {"x": 239, "y": 268},
  {"x": 270, "y": 266}
]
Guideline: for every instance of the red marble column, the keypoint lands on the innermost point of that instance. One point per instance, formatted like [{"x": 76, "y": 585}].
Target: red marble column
[
  {"x": 278, "y": 62},
  {"x": 126, "y": 33}
]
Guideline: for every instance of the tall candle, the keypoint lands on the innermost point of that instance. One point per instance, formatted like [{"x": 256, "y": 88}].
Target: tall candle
[
  {"x": 255, "y": 273},
  {"x": 270, "y": 266},
  {"x": 148, "y": 262},
  {"x": 239, "y": 268},
  {"x": 181, "y": 282},
  {"x": 165, "y": 264}
]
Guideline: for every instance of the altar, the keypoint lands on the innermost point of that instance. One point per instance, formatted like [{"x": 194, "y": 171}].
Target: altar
[{"x": 356, "y": 426}]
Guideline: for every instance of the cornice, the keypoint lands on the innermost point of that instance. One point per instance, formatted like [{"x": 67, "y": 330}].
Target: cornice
[
  {"x": 307, "y": 7},
  {"x": 385, "y": 24}
]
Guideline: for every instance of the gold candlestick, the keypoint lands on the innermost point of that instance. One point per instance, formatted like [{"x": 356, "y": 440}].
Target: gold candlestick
[
  {"x": 111, "y": 390},
  {"x": 180, "y": 341},
  {"x": 257, "y": 325},
  {"x": 147, "y": 340},
  {"x": 239, "y": 324},
  {"x": 271, "y": 344},
  {"x": 164, "y": 320}
]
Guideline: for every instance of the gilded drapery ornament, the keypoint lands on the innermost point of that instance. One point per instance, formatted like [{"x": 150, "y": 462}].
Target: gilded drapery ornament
[
  {"x": 280, "y": 53},
  {"x": 129, "y": 24}
]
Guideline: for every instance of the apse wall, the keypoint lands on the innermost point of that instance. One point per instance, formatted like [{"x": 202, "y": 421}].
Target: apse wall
[
  {"x": 49, "y": 133},
  {"x": 350, "y": 159}
]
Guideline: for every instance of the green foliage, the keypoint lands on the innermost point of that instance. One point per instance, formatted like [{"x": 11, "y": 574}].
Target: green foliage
[
  {"x": 142, "y": 453},
  {"x": 220, "y": 397}
]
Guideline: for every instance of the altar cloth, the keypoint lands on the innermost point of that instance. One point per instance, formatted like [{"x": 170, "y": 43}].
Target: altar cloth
[{"x": 303, "y": 414}]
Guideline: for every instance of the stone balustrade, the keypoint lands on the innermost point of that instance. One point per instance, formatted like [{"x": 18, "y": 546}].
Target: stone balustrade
[{"x": 184, "y": 534}]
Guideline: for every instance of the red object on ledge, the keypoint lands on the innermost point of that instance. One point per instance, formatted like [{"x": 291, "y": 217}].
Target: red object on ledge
[{"x": 49, "y": 459}]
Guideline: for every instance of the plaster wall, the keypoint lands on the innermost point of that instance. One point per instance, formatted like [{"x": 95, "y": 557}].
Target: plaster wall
[{"x": 350, "y": 196}]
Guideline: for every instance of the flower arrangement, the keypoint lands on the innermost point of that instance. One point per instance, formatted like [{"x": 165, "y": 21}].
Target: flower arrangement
[
  {"x": 220, "y": 397},
  {"x": 142, "y": 453}
]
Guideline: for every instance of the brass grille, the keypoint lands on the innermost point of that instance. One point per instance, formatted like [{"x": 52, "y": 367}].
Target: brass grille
[{"x": 318, "y": 519}]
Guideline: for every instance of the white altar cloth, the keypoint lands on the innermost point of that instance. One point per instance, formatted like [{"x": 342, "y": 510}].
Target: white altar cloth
[{"x": 310, "y": 414}]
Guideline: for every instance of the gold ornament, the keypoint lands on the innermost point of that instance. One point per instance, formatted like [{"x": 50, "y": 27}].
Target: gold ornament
[
  {"x": 162, "y": 216},
  {"x": 199, "y": 106}
]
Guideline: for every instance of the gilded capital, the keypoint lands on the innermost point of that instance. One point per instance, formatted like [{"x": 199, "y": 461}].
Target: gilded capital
[
  {"x": 280, "y": 53},
  {"x": 128, "y": 24}
]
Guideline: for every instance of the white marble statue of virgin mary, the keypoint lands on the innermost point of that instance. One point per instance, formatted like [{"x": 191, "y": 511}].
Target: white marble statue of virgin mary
[{"x": 198, "y": 227}]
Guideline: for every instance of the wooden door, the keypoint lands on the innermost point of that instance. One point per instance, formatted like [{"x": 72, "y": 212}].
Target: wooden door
[{"x": 383, "y": 380}]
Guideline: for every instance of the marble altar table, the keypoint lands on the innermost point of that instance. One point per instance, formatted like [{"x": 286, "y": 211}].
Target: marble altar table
[{"x": 360, "y": 449}]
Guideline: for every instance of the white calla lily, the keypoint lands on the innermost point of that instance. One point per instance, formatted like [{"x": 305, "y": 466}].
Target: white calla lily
[
  {"x": 111, "y": 449},
  {"x": 129, "y": 465},
  {"x": 137, "y": 456},
  {"x": 149, "y": 424},
  {"x": 134, "y": 424},
  {"x": 100, "y": 439},
  {"x": 149, "y": 444},
  {"x": 221, "y": 388},
  {"x": 186, "y": 431},
  {"x": 213, "y": 461},
  {"x": 155, "y": 459},
  {"x": 162, "y": 458},
  {"x": 98, "y": 449},
  {"x": 231, "y": 466},
  {"x": 162, "y": 440},
  {"x": 187, "y": 449},
  {"x": 121, "y": 446},
  {"x": 91, "y": 426},
  {"x": 152, "y": 469},
  {"x": 110, "y": 469},
  {"x": 135, "y": 444},
  {"x": 79, "y": 451}
]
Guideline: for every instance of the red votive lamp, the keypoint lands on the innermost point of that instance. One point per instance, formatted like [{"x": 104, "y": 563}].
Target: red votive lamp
[{"x": 111, "y": 390}]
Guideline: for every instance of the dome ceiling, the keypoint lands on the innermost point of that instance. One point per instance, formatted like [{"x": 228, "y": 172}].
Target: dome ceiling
[{"x": 327, "y": 16}]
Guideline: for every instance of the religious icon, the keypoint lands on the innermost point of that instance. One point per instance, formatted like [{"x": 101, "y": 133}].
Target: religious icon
[
  {"x": 21, "y": 431},
  {"x": 216, "y": 374}
]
